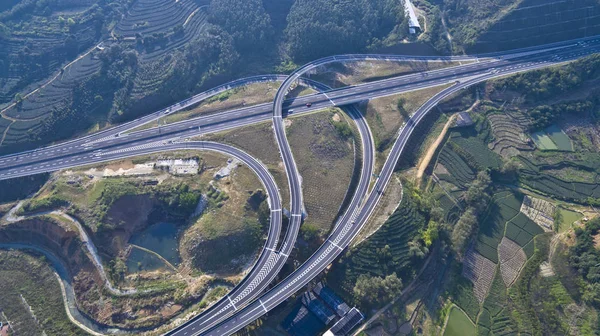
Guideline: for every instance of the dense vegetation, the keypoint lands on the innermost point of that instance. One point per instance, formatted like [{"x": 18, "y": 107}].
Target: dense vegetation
[
  {"x": 477, "y": 199},
  {"x": 28, "y": 282},
  {"x": 318, "y": 28},
  {"x": 246, "y": 21},
  {"x": 585, "y": 257},
  {"x": 391, "y": 256},
  {"x": 20, "y": 188}
]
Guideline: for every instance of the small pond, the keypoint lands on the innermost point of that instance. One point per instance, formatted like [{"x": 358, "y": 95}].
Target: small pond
[{"x": 160, "y": 238}]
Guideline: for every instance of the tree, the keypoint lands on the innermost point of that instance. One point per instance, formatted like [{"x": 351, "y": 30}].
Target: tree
[
  {"x": 591, "y": 294},
  {"x": 318, "y": 28},
  {"x": 431, "y": 234},
  {"x": 510, "y": 168},
  {"x": 416, "y": 249},
  {"x": 245, "y": 20},
  {"x": 463, "y": 230},
  {"x": 477, "y": 195},
  {"x": 558, "y": 218},
  {"x": 309, "y": 232},
  {"x": 375, "y": 291},
  {"x": 403, "y": 112}
]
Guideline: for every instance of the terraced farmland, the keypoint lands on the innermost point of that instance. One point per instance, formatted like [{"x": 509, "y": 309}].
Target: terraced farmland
[
  {"x": 164, "y": 26},
  {"x": 147, "y": 17},
  {"x": 521, "y": 229},
  {"x": 457, "y": 170},
  {"x": 504, "y": 218},
  {"x": 496, "y": 313},
  {"x": 539, "y": 211},
  {"x": 472, "y": 144},
  {"x": 533, "y": 176},
  {"x": 58, "y": 94},
  {"x": 385, "y": 252},
  {"x": 509, "y": 135},
  {"x": 42, "y": 41}
]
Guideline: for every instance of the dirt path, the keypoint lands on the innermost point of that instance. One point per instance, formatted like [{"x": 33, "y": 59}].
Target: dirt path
[
  {"x": 156, "y": 255},
  {"x": 432, "y": 149},
  {"x": 191, "y": 16}
]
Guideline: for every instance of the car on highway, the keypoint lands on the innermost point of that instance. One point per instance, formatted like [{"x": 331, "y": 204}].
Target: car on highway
[{"x": 308, "y": 104}]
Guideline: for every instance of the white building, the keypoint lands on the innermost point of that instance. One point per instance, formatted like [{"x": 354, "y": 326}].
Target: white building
[{"x": 179, "y": 166}]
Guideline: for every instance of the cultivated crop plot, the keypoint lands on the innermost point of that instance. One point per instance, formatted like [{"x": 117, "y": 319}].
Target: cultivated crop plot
[
  {"x": 535, "y": 175},
  {"x": 539, "y": 211},
  {"x": 57, "y": 95},
  {"x": 509, "y": 136},
  {"x": 512, "y": 258},
  {"x": 480, "y": 271},
  {"x": 453, "y": 169}
]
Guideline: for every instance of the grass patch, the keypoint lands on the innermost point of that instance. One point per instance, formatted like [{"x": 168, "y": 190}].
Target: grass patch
[
  {"x": 459, "y": 324},
  {"x": 552, "y": 138},
  {"x": 359, "y": 72},
  {"x": 568, "y": 218},
  {"x": 385, "y": 116}
]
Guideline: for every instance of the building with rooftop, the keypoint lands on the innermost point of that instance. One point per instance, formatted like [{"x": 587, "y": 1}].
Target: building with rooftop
[
  {"x": 463, "y": 119},
  {"x": 414, "y": 27},
  {"x": 331, "y": 299},
  {"x": 345, "y": 325}
]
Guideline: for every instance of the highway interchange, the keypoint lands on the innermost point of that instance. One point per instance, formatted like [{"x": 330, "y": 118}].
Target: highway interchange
[{"x": 240, "y": 308}]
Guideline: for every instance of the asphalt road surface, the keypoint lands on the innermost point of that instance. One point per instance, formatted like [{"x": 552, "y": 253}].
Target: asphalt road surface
[{"x": 112, "y": 145}]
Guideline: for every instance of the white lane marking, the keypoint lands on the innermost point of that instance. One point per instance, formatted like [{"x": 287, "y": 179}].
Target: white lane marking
[
  {"x": 326, "y": 96},
  {"x": 276, "y": 210},
  {"x": 231, "y": 301},
  {"x": 263, "y": 305},
  {"x": 283, "y": 254},
  {"x": 334, "y": 244}
]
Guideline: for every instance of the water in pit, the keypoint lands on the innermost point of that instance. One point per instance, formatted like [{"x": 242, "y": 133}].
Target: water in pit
[{"x": 160, "y": 238}]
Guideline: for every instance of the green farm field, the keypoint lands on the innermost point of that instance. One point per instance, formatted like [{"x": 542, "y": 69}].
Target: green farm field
[
  {"x": 559, "y": 137},
  {"x": 459, "y": 324},
  {"x": 552, "y": 138},
  {"x": 504, "y": 219}
]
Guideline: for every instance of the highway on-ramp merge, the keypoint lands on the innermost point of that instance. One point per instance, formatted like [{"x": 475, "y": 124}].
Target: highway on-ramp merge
[{"x": 110, "y": 147}]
